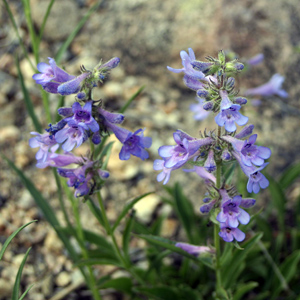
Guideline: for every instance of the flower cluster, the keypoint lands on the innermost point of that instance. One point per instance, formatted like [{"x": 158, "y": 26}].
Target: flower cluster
[
  {"x": 214, "y": 84},
  {"x": 85, "y": 120}
]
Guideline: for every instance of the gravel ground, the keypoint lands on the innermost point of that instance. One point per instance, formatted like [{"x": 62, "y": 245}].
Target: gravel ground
[{"x": 147, "y": 36}]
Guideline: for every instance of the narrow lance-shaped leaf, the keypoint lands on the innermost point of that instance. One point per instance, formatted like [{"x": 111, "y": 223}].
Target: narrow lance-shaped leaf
[
  {"x": 126, "y": 209},
  {"x": 11, "y": 237},
  {"x": 16, "y": 288}
]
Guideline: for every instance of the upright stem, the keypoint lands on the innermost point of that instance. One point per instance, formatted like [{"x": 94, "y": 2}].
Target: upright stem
[
  {"x": 109, "y": 232},
  {"x": 216, "y": 227}
]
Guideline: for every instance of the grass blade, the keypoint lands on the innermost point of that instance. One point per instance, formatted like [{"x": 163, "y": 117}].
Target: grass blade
[
  {"x": 25, "y": 293},
  {"x": 16, "y": 289},
  {"x": 7, "y": 242},
  {"x": 11, "y": 16},
  {"x": 127, "y": 207},
  {"x": 27, "y": 99},
  {"x": 288, "y": 176},
  {"x": 134, "y": 96},
  {"x": 73, "y": 34},
  {"x": 45, "y": 20}
]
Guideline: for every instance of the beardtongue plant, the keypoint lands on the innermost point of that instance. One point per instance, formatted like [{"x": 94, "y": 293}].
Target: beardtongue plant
[
  {"x": 214, "y": 84},
  {"x": 85, "y": 121}
]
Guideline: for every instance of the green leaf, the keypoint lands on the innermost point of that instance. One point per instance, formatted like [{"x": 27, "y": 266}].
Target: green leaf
[
  {"x": 233, "y": 265},
  {"x": 95, "y": 211},
  {"x": 44, "y": 206},
  {"x": 98, "y": 261},
  {"x": 90, "y": 237},
  {"x": 289, "y": 176},
  {"x": 243, "y": 289},
  {"x": 185, "y": 211},
  {"x": 16, "y": 288},
  {"x": 106, "y": 152},
  {"x": 27, "y": 290},
  {"x": 134, "y": 96},
  {"x": 126, "y": 235},
  {"x": 9, "y": 239},
  {"x": 126, "y": 209},
  {"x": 160, "y": 292},
  {"x": 279, "y": 200},
  {"x": 168, "y": 244},
  {"x": 73, "y": 34},
  {"x": 27, "y": 99},
  {"x": 123, "y": 284}
]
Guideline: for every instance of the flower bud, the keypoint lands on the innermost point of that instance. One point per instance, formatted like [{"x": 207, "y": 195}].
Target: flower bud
[
  {"x": 81, "y": 95},
  {"x": 226, "y": 155},
  {"x": 201, "y": 66},
  {"x": 247, "y": 130},
  {"x": 206, "y": 208},
  {"x": 230, "y": 82},
  {"x": 206, "y": 199},
  {"x": 208, "y": 105},
  {"x": 210, "y": 164},
  {"x": 240, "y": 100},
  {"x": 201, "y": 93}
]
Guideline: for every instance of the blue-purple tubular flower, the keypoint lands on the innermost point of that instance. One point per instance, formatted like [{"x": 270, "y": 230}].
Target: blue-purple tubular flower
[
  {"x": 250, "y": 153},
  {"x": 273, "y": 87},
  {"x": 256, "y": 60},
  {"x": 179, "y": 154},
  {"x": 51, "y": 76},
  {"x": 228, "y": 234},
  {"x": 210, "y": 163},
  {"x": 200, "y": 113},
  {"x": 111, "y": 64},
  {"x": 229, "y": 114},
  {"x": 231, "y": 212},
  {"x": 71, "y": 136},
  {"x": 45, "y": 142},
  {"x": 194, "y": 250},
  {"x": 134, "y": 143},
  {"x": 72, "y": 86},
  {"x": 159, "y": 164},
  {"x": 187, "y": 60},
  {"x": 82, "y": 117},
  {"x": 256, "y": 179}
]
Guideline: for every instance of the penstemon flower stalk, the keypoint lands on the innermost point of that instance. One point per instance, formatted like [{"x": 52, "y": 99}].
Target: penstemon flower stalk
[
  {"x": 86, "y": 120},
  {"x": 214, "y": 84}
]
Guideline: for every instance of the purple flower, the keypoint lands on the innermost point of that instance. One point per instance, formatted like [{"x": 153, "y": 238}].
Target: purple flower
[
  {"x": 206, "y": 208},
  {"x": 256, "y": 179},
  {"x": 72, "y": 86},
  {"x": 208, "y": 177},
  {"x": 179, "y": 154},
  {"x": 51, "y": 73},
  {"x": 231, "y": 212},
  {"x": 59, "y": 160},
  {"x": 45, "y": 142},
  {"x": 229, "y": 114},
  {"x": 70, "y": 136},
  {"x": 250, "y": 153},
  {"x": 110, "y": 117},
  {"x": 200, "y": 113},
  {"x": 111, "y": 64},
  {"x": 159, "y": 164},
  {"x": 210, "y": 164},
  {"x": 229, "y": 117},
  {"x": 187, "y": 60},
  {"x": 247, "y": 130},
  {"x": 273, "y": 87},
  {"x": 82, "y": 117},
  {"x": 256, "y": 60},
  {"x": 134, "y": 143},
  {"x": 192, "y": 83},
  {"x": 228, "y": 234},
  {"x": 194, "y": 250}
]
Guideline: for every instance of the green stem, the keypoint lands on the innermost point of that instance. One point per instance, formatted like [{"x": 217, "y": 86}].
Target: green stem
[
  {"x": 80, "y": 234},
  {"x": 110, "y": 233},
  {"x": 216, "y": 227}
]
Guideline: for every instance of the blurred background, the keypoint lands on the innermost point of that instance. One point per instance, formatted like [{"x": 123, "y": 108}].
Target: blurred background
[{"x": 147, "y": 36}]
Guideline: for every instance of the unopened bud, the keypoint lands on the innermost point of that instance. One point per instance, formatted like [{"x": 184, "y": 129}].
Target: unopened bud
[
  {"x": 202, "y": 93},
  {"x": 201, "y": 66},
  {"x": 210, "y": 164},
  {"x": 206, "y": 208},
  {"x": 226, "y": 155},
  {"x": 240, "y": 100},
  {"x": 247, "y": 130},
  {"x": 230, "y": 82},
  {"x": 208, "y": 105}
]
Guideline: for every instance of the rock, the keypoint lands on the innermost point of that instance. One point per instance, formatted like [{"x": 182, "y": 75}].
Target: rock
[
  {"x": 9, "y": 134},
  {"x": 52, "y": 242},
  {"x": 63, "y": 279},
  {"x": 5, "y": 288}
]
